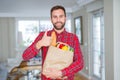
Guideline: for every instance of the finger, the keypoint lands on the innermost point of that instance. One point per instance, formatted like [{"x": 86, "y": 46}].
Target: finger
[
  {"x": 65, "y": 77},
  {"x": 47, "y": 76},
  {"x": 45, "y": 34}
]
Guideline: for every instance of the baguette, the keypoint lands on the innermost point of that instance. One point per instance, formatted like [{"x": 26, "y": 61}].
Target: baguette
[{"x": 53, "y": 41}]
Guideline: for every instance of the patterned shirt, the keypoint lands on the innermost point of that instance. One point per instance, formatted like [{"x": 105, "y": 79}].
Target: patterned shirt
[{"x": 65, "y": 37}]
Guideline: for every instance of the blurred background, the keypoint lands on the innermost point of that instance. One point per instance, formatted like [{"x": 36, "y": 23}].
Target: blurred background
[{"x": 96, "y": 23}]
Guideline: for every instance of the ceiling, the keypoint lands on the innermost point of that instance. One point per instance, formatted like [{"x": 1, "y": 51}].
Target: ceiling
[{"x": 38, "y": 7}]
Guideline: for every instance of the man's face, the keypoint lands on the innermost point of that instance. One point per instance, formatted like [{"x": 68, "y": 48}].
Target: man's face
[{"x": 58, "y": 19}]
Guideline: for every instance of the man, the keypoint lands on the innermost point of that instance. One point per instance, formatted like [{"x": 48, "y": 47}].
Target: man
[{"x": 42, "y": 42}]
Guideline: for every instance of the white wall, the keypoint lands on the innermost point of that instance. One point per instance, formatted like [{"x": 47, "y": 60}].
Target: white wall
[
  {"x": 116, "y": 22},
  {"x": 116, "y": 39},
  {"x": 109, "y": 45},
  {"x": 7, "y": 38},
  {"x": 112, "y": 36}
]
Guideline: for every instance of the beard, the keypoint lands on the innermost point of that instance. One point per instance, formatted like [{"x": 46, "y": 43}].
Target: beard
[{"x": 57, "y": 27}]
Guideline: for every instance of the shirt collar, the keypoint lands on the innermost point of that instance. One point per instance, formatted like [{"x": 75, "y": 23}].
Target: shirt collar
[{"x": 64, "y": 31}]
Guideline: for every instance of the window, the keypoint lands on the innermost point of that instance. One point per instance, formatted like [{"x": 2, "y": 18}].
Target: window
[
  {"x": 98, "y": 45},
  {"x": 45, "y": 25},
  {"x": 78, "y": 28},
  {"x": 28, "y": 30}
]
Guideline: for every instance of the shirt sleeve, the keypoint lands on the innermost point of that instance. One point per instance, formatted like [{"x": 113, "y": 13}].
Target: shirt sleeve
[
  {"x": 31, "y": 51},
  {"x": 78, "y": 63}
]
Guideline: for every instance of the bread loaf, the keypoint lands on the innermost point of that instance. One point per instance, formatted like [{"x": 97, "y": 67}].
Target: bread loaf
[{"x": 53, "y": 41}]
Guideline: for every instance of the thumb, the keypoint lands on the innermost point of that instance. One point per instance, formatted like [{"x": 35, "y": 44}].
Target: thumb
[{"x": 45, "y": 34}]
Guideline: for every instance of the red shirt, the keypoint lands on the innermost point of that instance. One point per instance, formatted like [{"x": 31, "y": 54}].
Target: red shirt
[{"x": 66, "y": 37}]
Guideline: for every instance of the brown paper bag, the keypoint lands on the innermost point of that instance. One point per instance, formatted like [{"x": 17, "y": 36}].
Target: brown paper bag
[{"x": 57, "y": 58}]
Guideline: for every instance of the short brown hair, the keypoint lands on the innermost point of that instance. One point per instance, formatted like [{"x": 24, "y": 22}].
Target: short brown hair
[{"x": 58, "y": 7}]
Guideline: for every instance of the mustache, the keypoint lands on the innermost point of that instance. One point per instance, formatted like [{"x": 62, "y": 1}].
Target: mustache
[{"x": 58, "y": 22}]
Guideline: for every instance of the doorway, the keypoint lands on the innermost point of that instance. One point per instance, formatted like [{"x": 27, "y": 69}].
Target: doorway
[{"x": 97, "y": 46}]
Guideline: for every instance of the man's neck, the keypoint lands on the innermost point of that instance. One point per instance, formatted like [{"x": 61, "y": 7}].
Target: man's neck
[{"x": 59, "y": 31}]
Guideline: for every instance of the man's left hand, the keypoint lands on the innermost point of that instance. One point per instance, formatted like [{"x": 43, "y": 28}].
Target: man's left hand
[{"x": 53, "y": 73}]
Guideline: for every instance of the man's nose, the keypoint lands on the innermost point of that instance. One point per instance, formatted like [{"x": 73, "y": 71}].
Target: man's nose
[{"x": 58, "y": 19}]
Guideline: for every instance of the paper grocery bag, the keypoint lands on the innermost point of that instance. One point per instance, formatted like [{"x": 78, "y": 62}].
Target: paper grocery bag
[{"x": 57, "y": 58}]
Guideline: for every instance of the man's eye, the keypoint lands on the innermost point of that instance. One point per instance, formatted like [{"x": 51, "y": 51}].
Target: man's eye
[
  {"x": 61, "y": 16},
  {"x": 54, "y": 17}
]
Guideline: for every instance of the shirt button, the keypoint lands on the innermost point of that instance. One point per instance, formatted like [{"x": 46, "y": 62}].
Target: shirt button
[{"x": 58, "y": 37}]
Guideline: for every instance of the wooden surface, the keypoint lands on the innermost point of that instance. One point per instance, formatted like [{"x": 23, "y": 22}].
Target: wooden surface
[
  {"x": 16, "y": 72},
  {"x": 80, "y": 77}
]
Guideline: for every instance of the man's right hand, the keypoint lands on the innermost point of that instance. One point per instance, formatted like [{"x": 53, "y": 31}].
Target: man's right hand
[{"x": 45, "y": 41}]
